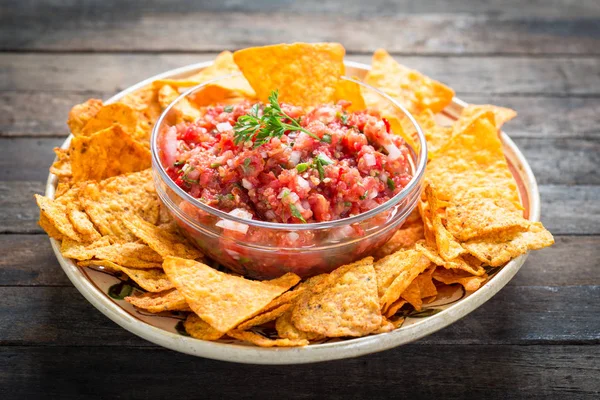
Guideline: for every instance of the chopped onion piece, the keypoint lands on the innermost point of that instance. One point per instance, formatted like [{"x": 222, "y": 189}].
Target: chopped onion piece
[
  {"x": 247, "y": 184},
  {"x": 393, "y": 151},
  {"x": 383, "y": 177},
  {"x": 303, "y": 183},
  {"x": 170, "y": 146},
  {"x": 295, "y": 158},
  {"x": 293, "y": 236},
  {"x": 224, "y": 127},
  {"x": 369, "y": 159},
  {"x": 236, "y": 226}
]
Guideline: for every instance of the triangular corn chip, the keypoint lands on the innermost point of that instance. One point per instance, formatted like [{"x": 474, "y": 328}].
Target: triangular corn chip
[
  {"x": 152, "y": 280},
  {"x": 169, "y": 300}
]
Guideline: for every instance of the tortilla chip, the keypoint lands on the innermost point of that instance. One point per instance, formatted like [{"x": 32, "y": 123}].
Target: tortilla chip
[
  {"x": 284, "y": 325},
  {"x": 410, "y": 88},
  {"x": 107, "y": 153},
  {"x": 62, "y": 166},
  {"x": 48, "y": 226},
  {"x": 496, "y": 254},
  {"x": 265, "y": 317},
  {"x": 345, "y": 303},
  {"x": 222, "y": 300},
  {"x": 109, "y": 115},
  {"x": 480, "y": 217},
  {"x": 134, "y": 255},
  {"x": 457, "y": 263},
  {"x": 426, "y": 285},
  {"x": 152, "y": 280},
  {"x": 54, "y": 213},
  {"x": 144, "y": 102},
  {"x": 447, "y": 246},
  {"x": 412, "y": 294},
  {"x": 223, "y": 65},
  {"x": 350, "y": 91},
  {"x": 81, "y": 222},
  {"x": 386, "y": 326},
  {"x": 304, "y": 74},
  {"x": 393, "y": 309},
  {"x": 82, "y": 251},
  {"x": 437, "y": 136},
  {"x": 81, "y": 114},
  {"x": 109, "y": 202},
  {"x": 262, "y": 341},
  {"x": 163, "y": 239},
  {"x": 472, "y": 164},
  {"x": 169, "y": 300},
  {"x": 410, "y": 136},
  {"x": 452, "y": 276},
  {"x": 395, "y": 273},
  {"x": 404, "y": 238},
  {"x": 501, "y": 114},
  {"x": 199, "y": 329}
]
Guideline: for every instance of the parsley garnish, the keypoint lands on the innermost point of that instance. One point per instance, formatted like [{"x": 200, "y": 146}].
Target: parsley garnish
[
  {"x": 296, "y": 213},
  {"x": 364, "y": 196},
  {"x": 326, "y": 138},
  {"x": 261, "y": 128},
  {"x": 320, "y": 161},
  {"x": 228, "y": 109},
  {"x": 215, "y": 165},
  {"x": 391, "y": 184},
  {"x": 344, "y": 118},
  {"x": 247, "y": 162},
  {"x": 302, "y": 167}
]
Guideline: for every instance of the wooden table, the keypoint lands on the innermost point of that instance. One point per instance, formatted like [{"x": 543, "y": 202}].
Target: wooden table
[{"x": 538, "y": 338}]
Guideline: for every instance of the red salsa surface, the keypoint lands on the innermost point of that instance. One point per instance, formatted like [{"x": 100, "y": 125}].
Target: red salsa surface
[{"x": 350, "y": 164}]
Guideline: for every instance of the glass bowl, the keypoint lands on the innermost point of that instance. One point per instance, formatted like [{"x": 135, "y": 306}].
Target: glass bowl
[{"x": 267, "y": 249}]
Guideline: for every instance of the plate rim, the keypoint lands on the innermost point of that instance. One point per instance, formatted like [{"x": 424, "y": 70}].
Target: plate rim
[{"x": 295, "y": 355}]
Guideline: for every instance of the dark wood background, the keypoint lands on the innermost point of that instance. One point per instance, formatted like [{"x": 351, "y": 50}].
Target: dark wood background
[{"x": 538, "y": 338}]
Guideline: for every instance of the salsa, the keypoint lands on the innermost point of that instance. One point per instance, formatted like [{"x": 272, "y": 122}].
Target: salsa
[{"x": 311, "y": 166}]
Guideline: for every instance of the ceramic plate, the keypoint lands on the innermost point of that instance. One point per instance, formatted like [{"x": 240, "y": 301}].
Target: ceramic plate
[{"x": 103, "y": 290}]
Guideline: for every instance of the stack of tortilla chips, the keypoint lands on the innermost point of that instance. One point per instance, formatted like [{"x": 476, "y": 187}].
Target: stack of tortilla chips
[{"x": 106, "y": 212}]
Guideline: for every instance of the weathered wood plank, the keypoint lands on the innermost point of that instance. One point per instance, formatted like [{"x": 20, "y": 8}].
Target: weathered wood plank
[
  {"x": 109, "y": 73},
  {"x": 42, "y": 114},
  {"x": 559, "y": 161},
  {"x": 28, "y": 260},
  {"x": 449, "y": 372},
  {"x": 434, "y": 29},
  {"x": 60, "y": 316}
]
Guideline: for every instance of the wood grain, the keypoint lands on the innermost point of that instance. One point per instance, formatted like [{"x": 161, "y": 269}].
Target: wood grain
[
  {"x": 405, "y": 28},
  {"x": 44, "y": 114},
  {"x": 413, "y": 371},
  {"x": 110, "y": 73},
  {"x": 29, "y": 261}
]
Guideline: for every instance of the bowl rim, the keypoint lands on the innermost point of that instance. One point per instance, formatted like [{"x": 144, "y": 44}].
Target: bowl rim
[
  {"x": 412, "y": 185},
  {"x": 294, "y": 355}
]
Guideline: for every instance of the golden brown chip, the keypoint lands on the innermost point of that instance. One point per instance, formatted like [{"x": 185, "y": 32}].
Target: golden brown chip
[
  {"x": 109, "y": 115},
  {"x": 62, "y": 166},
  {"x": 447, "y": 246},
  {"x": 163, "y": 239},
  {"x": 199, "y": 329},
  {"x": 404, "y": 238},
  {"x": 222, "y": 300},
  {"x": 54, "y": 213},
  {"x": 393, "y": 309},
  {"x": 452, "y": 276},
  {"x": 185, "y": 110},
  {"x": 81, "y": 222},
  {"x": 82, "y": 113},
  {"x": 152, "y": 280},
  {"x": 284, "y": 325},
  {"x": 386, "y": 326},
  {"x": 501, "y": 114},
  {"x": 49, "y": 227},
  {"x": 350, "y": 91},
  {"x": 410, "y": 88},
  {"x": 265, "y": 317},
  {"x": 436, "y": 135},
  {"x": 457, "y": 263},
  {"x": 412, "y": 294},
  {"x": 82, "y": 251},
  {"x": 113, "y": 200},
  {"x": 169, "y": 300},
  {"x": 134, "y": 255},
  {"x": 107, "y": 153},
  {"x": 144, "y": 102},
  {"x": 304, "y": 74},
  {"x": 498, "y": 253},
  {"x": 345, "y": 303},
  {"x": 404, "y": 267},
  {"x": 480, "y": 217},
  {"x": 472, "y": 164},
  {"x": 261, "y": 341}
]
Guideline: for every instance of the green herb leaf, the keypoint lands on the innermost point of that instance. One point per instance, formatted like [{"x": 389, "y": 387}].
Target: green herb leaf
[
  {"x": 261, "y": 128},
  {"x": 364, "y": 196},
  {"x": 391, "y": 184},
  {"x": 215, "y": 165},
  {"x": 323, "y": 159},
  {"x": 190, "y": 181},
  {"x": 247, "y": 162},
  {"x": 347, "y": 204},
  {"x": 178, "y": 163},
  {"x": 302, "y": 167},
  {"x": 344, "y": 118},
  {"x": 120, "y": 290},
  {"x": 296, "y": 213},
  {"x": 326, "y": 138},
  {"x": 228, "y": 109}
]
